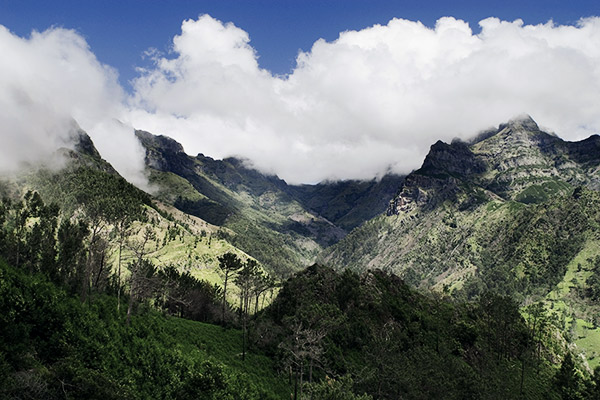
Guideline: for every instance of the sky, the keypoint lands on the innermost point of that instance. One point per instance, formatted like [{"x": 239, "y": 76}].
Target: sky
[{"x": 308, "y": 90}]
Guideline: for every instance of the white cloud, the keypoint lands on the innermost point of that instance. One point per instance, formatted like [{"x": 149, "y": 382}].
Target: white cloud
[
  {"x": 372, "y": 98},
  {"x": 351, "y": 108},
  {"x": 46, "y": 81}
]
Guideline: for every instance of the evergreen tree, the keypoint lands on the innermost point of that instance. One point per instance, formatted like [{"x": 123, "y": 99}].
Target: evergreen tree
[
  {"x": 229, "y": 264},
  {"x": 567, "y": 381}
]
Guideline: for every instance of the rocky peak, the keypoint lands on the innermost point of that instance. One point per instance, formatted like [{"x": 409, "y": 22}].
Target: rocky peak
[
  {"x": 159, "y": 149},
  {"x": 522, "y": 122},
  {"x": 161, "y": 143},
  {"x": 452, "y": 159},
  {"x": 83, "y": 143}
]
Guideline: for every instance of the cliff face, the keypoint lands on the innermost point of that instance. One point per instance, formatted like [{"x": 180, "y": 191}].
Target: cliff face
[
  {"x": 497, "y": 209},
  {"x": 516, "y": 162}
]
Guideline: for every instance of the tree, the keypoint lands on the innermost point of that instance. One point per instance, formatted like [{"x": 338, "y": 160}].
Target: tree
[
  {"x": 593, "y": 391},
  {"x": 301, "y": 344},
  {"x": 335, "y": 389},
  {"x": 71, "y": 251},
  {"x": 122, "y": 227},
  {"x": 229, "y": 264},
  {"x": 141, "y": 269},
  {"x": 567, "y": 380},
  {"x": 262, "y": 284},
  {"x": 106, "y": 200},
  {"x": 245, "y": 280}
]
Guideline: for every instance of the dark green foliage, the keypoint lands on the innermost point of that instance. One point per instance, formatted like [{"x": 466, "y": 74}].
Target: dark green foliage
[
  {"x": 229, "y": 264},
  {"x": 567, "y": 381},
  {"x": 54, "y": 347},
  {"x": 396, "y": 343},
  {"x": 348, "y": 203},
  {"x": 27, "y": 231},
  {"x": 99, "y": 193},
  {"x": 71, "y": 253},
  {"x": 210, "y": 211},
  {"x": 275, "y": 251},
  {"x": 529, "y": 252},
  {"x": 104, "y": 195},
  {"x": 593, "y": 282},
  {"x": 593, "y": 387},
  {"x": 183, "y": 295},
  {"x": 335, "y": 389}
]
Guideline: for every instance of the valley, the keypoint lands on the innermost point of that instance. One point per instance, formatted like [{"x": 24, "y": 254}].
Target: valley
[{"x": 486, "y": 258}]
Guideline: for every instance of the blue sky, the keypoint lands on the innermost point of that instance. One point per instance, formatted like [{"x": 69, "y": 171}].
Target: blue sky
[{"x": 119, "y": 31}]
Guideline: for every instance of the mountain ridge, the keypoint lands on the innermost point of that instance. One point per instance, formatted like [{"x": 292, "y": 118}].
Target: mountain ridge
[{"x": 263, "y": 211}]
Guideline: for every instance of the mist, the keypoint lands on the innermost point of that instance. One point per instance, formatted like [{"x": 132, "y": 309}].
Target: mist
[
  {"x": 373, "y": 100},
  {"x": 370, "y": 102},
  {"x": 49, "y": 80}
]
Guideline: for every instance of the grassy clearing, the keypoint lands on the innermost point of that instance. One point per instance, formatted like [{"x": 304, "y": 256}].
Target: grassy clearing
[
  {"x": 588, "y": 340},
  {"x": 225, "y": 345},
  {"x": 562, "y": 301}
]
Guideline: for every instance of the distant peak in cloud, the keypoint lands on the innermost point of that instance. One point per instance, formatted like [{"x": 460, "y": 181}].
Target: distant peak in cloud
[
  {"x": 371, "y": 99},
  {"x": 47, "y": 82}
]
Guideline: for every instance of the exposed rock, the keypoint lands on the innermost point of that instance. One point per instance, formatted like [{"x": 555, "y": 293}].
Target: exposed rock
[{"x": 500, "y": 164}]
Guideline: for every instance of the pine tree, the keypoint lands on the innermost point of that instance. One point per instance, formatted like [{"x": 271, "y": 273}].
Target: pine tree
[
  {"x": 229, "y": 264},
  {"x": 567, "y": 380}
]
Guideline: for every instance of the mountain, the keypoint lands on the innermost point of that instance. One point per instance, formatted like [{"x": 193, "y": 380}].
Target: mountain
[
  {"x": 284, "y": 227},
  {"x": 463, "y": 186},
  {"x": 515, "y": 211},
  {"x": 505, "y": 229},
  {"x": 348, "y": 203}
]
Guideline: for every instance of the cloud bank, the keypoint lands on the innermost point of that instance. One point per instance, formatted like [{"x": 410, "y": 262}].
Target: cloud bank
[
  {"x": 371, "y": 101},
  {"x": 47, "y": 81}
]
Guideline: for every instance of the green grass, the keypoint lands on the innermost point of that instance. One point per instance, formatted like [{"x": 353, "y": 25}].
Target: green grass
[
  {"x": 90, "y": 348},
  {"x": 168, "y": 187},
  {"x": 225, "y": 345},
  {"x": 587, "y": 339},
  {"x": 542, "y": 192}
]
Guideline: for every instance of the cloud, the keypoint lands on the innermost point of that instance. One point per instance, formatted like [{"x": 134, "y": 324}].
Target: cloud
[
  {"x": 371, "y": 99},
  {"x": 46, "y": 81}
]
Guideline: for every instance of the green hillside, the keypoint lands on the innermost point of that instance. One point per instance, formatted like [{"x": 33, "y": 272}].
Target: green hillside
[
  {"x": 53, "y": 346},
  {"x": 481, "y": 280},
  {"x": 514, "y": 213},
  {"x": 282, "y": 226}
]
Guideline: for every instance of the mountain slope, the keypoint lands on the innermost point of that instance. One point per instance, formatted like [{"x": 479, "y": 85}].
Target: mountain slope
[
  {"x": 282, "y": 226},
  {"x": 516, "y": 212},
  {"x": 510, "y": 194},
  {"x": 348, "y": 203},
  {"x": 81, "y": 183}
]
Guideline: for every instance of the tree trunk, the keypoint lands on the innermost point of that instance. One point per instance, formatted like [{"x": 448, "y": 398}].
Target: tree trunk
[
  {"x": 97, "y": 281},
  {"x": 119, "y": 275},
  {"x": 301, "y": 375},
  {"x": 131, "y": 298},
  {"x": 522, "y": 375},
  {"x": 296, "y": 383},
  {"x": 224, "y": 298}
]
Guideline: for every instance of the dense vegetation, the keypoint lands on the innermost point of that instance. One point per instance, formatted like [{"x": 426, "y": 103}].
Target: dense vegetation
[
  {"x": 326, "y": 335},
  {"x": 72, "y": 327},
  {"x": 53, "y": 346},
  {"x": 392, "y": 342}
]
